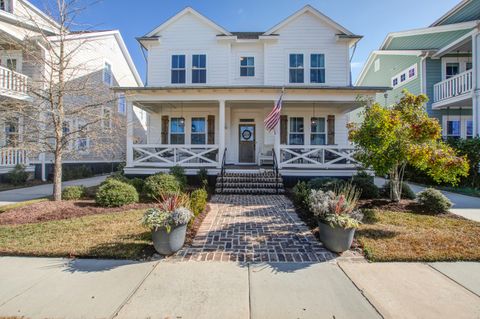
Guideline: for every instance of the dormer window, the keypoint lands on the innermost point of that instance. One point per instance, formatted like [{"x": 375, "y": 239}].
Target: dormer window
[
  {"x": 247, "y": 66},
  {"x": 6, "y": 5}
]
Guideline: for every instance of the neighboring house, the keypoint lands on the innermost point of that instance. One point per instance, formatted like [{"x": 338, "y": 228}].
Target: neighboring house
[
  {"x": 104, "y": 58},
  {"x": 441, "y": 61},
  {"x": 209, "y": 91}
]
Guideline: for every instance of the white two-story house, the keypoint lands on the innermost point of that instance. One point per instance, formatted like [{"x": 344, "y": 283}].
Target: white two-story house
[
  {"x": 100, "y": 55},
  {"x": 209, "y": 91}
]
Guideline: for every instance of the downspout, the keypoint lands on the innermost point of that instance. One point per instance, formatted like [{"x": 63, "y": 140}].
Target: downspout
[{"x": 351, "y": 58}]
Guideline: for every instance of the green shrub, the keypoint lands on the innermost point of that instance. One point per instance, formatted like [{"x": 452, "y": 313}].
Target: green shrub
[
  {"x": 138, "y": 183},
  {"x": 159, "y": 184},
  {"x": 18, "y": 175},
  {"x": 364, "y": 182},
  {"x": 198, "y": 201},
  {"x": 301, "y": 194},
  {"x": 76, "y": 172},
  {"x": 407, "y": 192},
  {"x": 179, "y": 173},
  {"x": 114, "y": 193},
  {"x": 117, "y": 177},
  {"x": 434, "y": 201},
  {"x": 325, "y": 184},
  {"x": 203, "y": 177},
  {"x": 73, "y": 192}
]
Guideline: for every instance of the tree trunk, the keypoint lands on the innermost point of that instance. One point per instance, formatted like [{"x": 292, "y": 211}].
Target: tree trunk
[
  {"x": 395, "y": 185},
  {"x": 57, "y": 176}
]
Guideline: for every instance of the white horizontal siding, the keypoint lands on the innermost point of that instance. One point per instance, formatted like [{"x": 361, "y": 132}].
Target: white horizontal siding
[{"x": 246, "y": 50}]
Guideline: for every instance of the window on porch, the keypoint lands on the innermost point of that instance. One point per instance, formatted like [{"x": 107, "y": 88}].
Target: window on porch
[
  {"x": 177, "y": 130},
  {"x": 469, "y": 129},
  {"x": 318, "y": 135},
  {"x": 198, "y": 135},
  {"x": 296, "y": 136},
  {"x": 453, "y": 129}
]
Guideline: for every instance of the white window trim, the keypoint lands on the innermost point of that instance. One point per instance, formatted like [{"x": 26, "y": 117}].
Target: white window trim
[
  {"x": 239, "y": 66},
  {"x": 179, "y": 69},
  {"x": 306, "y": 66},
  {"x": 79, "y": 137},
  {"x": 289, "y": 68},
  {"x": 103, "y": 117},
  {"x": 192, "y": 69},
  {"x": 305, "y": 140},
  {"x": 12, "y": 54},
  {"x": 319, "y": 133},
  {"x": 317, "y": 68},
  {"x": 120, "y": 98},
  {"x": 204, "y": 133},
  {"x": 463, "y": 123},
  {"x": 407, "y": 78},
  {"x": 376, "y": 66},
  {"x": 170, "y": 129},
  {"x": 105, "y": 62},
  {"x": 462, "y": 61}
]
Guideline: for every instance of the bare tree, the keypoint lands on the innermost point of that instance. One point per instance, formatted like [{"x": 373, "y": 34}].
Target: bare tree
[{"x": 71, "y": 107}]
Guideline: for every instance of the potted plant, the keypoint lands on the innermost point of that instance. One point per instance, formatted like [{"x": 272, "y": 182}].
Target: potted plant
[
  {"x": 168, "y": 223},
  {"x": 337, "y": 215}
]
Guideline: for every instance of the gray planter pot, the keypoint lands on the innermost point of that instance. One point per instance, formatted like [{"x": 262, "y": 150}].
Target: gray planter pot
[
  {"x": 168, "y": 243},
  {"x": 336, "y": 239}
]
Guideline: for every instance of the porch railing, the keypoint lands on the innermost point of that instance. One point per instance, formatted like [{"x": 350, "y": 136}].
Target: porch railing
[
  {"x": 158, "y": 155},
  {"x": 317, "y": 157},
  {"x": 455, "y": 86},
  {"x": 12, "y": 156},
  {"x": 13, "y": 81}
]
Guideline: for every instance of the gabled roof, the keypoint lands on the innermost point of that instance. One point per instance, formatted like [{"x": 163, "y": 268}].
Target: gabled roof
[
  {"x": 466, "y": 10},
  {"x": 188, "y": 10},
  {"x": 316, "y": 13}
]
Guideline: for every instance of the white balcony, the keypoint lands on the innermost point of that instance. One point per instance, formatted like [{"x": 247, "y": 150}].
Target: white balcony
[
  {"x": 13, "y": 84},
  {"x": 454, "y": 89},
  {"x": 10, "y": 157}
]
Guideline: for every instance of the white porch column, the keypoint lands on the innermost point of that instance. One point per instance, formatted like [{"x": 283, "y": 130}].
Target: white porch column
[
  {"x": 476, "y": 83},
  {"x": 129, "y": 151},
  {"x": 221, "y": 131},
  {"x": 42, "y": 160}
]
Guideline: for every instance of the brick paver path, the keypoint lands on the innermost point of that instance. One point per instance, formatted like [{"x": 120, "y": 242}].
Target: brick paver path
[{"x": 258, "y": 228}]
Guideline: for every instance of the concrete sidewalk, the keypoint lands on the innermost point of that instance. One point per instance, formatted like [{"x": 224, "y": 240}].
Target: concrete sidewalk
[
  {"x": 23, "y": 194},
  {"x": 465, "y": 206},
  {"x": 61, "y": 288}
]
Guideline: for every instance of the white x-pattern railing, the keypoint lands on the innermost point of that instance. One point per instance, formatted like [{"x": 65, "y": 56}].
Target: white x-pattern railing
[
  {"x": 157, "y": 155},
  {"x": 317, "y": 157}
]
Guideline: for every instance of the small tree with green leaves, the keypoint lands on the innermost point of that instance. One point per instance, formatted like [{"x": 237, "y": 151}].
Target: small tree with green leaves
[{"x": 392, "y": 137}]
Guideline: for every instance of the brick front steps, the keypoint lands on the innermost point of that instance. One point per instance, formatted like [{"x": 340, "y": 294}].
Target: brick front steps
[{"x": 261, "y": 182}]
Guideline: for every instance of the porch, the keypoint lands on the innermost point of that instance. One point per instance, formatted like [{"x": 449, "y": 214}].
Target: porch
[{"x": 204, "y": 132}]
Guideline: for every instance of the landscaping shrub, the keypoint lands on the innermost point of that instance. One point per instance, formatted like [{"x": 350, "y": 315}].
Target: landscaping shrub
[
  {"x": 114, "y": 193},
  {"x": 434, "y": 201},
  {"x": 18, "y": 175},
  {"x": 73, "y": 192},
  {"x": 325, "y": 184},
  {"x": 407, "y": 192},
  {"x": 203, "y": 177},
  {"x": 76, "y": 172},
  {"x": 179, "y": 173},
  {"x": 138, "y": 183},
  {"x": 301, "y": 193},
  {"x": 159, "y": 184},
  {"x": 364, "y": 182},
  {"x": 198, "y": 201},
  {"x": 118, "y": 177}
]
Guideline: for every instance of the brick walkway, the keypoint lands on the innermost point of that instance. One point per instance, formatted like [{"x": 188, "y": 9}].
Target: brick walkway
[{"x": 258, "y": 228}]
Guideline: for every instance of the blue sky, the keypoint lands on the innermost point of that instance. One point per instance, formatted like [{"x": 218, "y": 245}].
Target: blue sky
[{"x": 371, "y": 18}]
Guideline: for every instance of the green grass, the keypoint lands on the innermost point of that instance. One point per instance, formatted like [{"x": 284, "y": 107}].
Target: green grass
[
  {"x": 395, "y": 236},
  {"x": 113, "y": 235},
  {"x": 5, "y": 208}
]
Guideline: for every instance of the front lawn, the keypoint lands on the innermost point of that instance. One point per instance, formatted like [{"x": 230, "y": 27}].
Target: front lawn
[
  {"x": 407, "y": 236},
  {"x": 110, "y": 235}
]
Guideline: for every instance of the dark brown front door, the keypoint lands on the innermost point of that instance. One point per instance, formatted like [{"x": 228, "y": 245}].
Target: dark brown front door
[{"x": 246, "y": 147}]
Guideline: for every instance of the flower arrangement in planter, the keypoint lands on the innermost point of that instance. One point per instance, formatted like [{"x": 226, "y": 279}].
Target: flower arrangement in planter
[
  {"x": 168, "y": 223},
  {"x": 338, "y": 216}
]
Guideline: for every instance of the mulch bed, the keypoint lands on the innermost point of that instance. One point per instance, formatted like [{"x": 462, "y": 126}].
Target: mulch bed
[{"x": 48, "y": 211}]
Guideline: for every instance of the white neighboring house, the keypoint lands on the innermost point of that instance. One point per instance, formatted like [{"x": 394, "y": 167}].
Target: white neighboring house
[
  {"x": 106, "y": 54},
  {"x": 209, "y": 91}
]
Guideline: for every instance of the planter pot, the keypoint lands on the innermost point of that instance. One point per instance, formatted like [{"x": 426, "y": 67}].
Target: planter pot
[
  {"x": 167, "y": 243},
  {"x": 336, "y": 239}
]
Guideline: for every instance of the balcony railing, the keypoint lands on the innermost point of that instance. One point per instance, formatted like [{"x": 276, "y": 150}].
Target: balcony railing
[
  {"x": 12, "y": 81},
  {"x": 157, "y": 155},
  {"x": 457, "y": 85},
  {"x": 12, "y": 156},
  {"x": 317, "y": 157}
]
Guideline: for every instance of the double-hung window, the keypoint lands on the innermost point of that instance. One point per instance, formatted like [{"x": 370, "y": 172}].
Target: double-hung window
[
  {"x": 469, "y": 129},
  {"x": 107, "y": 118},
  {"x": 107, "y": 73},
  {"x": 296, "y": 136},
  {"x": 247, "y": 66},
  {"x": 454, "y": 129},
  {"x": 11, "y": 133},
  {"x": 178, "y": 69},
  {"x": 83, "y": 142},
  {"x": 318, "y": 135},
  {"x": 199, "y": 68},
  {"x": 122, "y": 104},
  {"x": 317, "y": 68},
  {"x": 451, "y": 70},
  {"x": 198, "y": 131},
  {"x": 6, "y": 5},
  {"x": 177, "y": 130},
  {"x": 296, "y": 68}
]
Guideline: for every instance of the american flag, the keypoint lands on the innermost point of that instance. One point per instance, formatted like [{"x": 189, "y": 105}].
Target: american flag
[{"x": 274, "y": 117}]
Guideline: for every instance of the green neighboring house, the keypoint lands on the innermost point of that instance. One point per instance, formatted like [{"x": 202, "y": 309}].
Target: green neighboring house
[{"x": 441, "y": 61}]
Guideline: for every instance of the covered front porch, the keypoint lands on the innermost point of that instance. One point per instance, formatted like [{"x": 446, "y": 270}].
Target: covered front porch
[{"x": 225, "y": 129}]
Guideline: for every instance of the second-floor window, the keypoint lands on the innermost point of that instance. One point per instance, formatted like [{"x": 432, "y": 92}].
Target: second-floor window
[
  {"x": 199, "y": 68},
  {"x": 247, "y": 66},
  {"x": 452, "y": 69},
  {"x": 317, "y": 68},
  {"x": 6, "y": 5},
  {"x": 178, "y": 69},
  {"x": 122, "y": 104},
  {"x": 107, "y": 73},
  {"x": 296, "y": 68}
]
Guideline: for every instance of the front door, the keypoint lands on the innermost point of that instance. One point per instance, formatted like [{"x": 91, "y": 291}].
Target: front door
[{"x": 246, "y": 143}]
